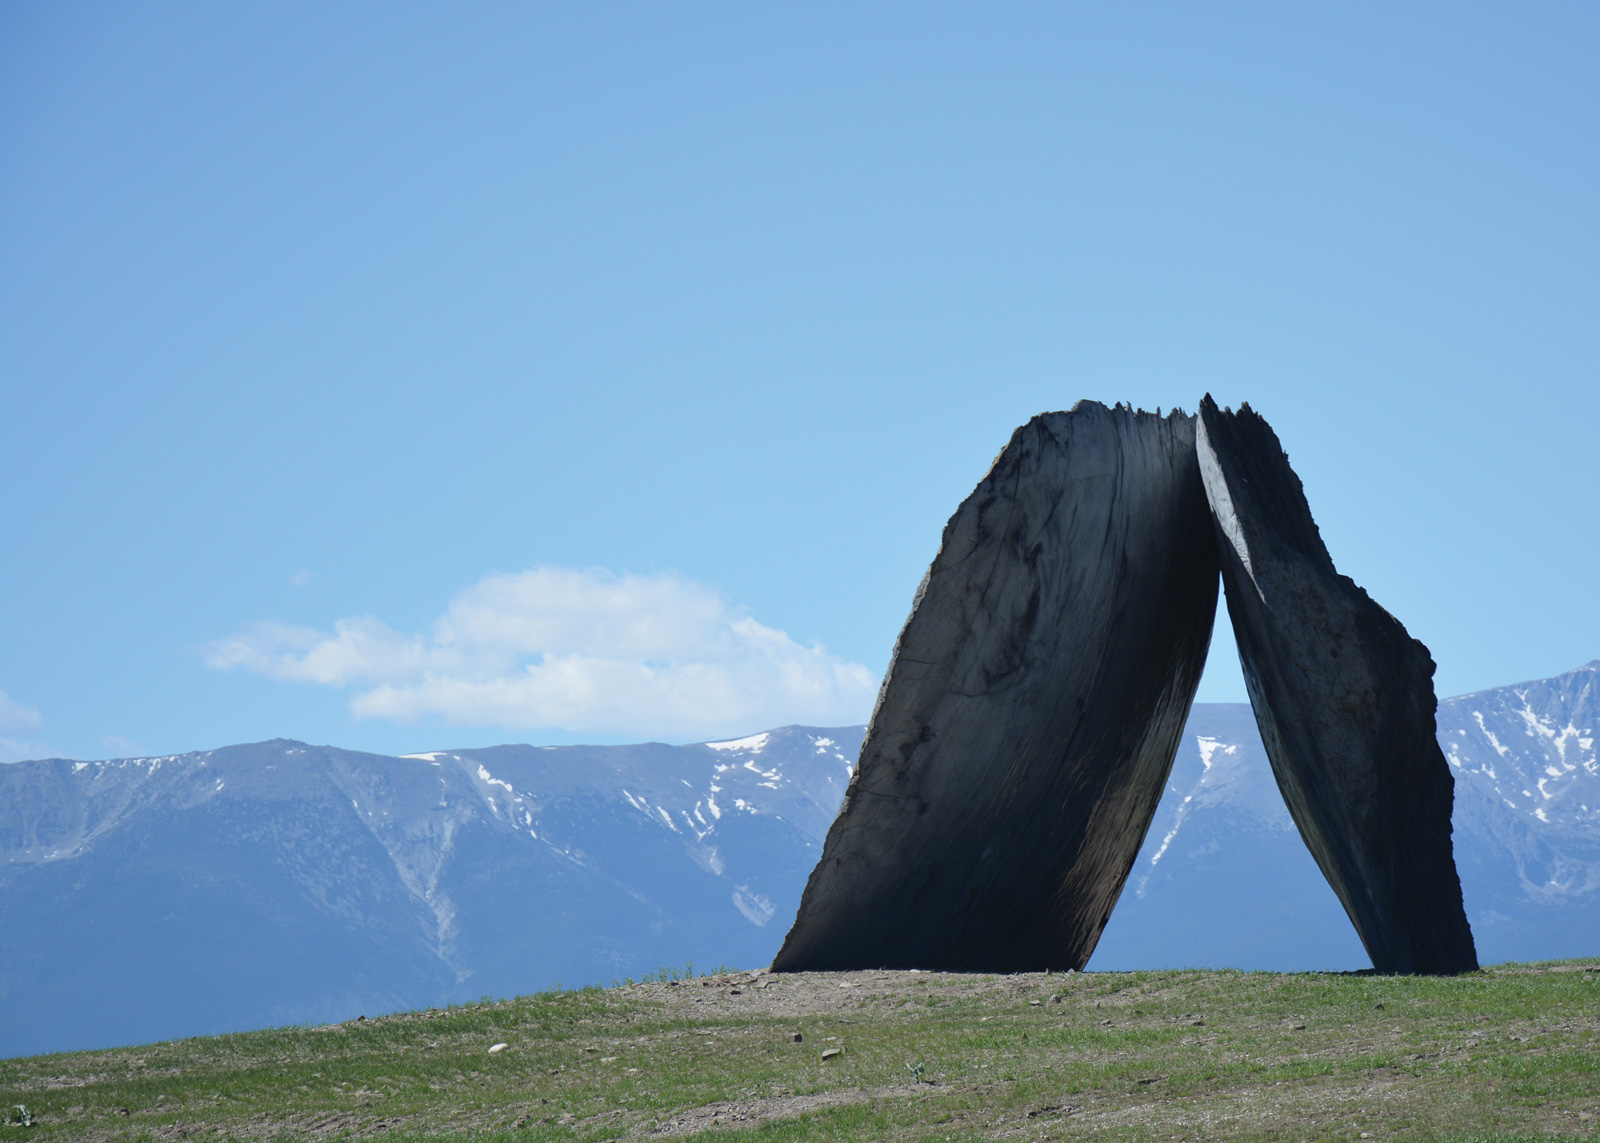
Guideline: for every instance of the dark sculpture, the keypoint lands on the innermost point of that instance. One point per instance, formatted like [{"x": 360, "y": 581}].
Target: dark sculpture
[
  {"x": 1034, "y": 702},
  {"x": 1344, "y": 699},
  {"x": 1031, "y": 711}
]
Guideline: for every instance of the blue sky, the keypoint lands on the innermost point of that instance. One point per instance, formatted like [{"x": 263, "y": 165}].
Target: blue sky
[{"x": 356, "y": 359}]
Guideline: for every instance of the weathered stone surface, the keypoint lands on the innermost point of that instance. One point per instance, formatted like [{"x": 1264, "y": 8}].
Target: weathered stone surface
[
  {"x": 1031, "y": 710},
  {"x": 1344, "y": 698}
]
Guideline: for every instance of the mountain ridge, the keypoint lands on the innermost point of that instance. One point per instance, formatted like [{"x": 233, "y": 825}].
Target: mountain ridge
[{"x": 280, "y": 882}]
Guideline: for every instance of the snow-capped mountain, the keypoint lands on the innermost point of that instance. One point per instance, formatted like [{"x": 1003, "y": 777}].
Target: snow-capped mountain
[
  {"x": 1223, "y": 878},
  {"x": 280, "y": 882},
  {"x": 1527, "y": 814}
]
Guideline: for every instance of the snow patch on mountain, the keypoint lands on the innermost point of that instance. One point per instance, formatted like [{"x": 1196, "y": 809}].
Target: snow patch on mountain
[{"x": 755, "y": 744}]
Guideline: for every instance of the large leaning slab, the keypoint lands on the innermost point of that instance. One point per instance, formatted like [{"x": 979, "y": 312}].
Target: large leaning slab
[
  {"x": 1344, "y": 698},
  {"x": 1031, "y": 710}
]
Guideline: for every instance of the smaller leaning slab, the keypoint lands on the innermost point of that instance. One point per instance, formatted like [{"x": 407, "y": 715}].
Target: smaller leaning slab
[{"x": 1344, "y": 698}]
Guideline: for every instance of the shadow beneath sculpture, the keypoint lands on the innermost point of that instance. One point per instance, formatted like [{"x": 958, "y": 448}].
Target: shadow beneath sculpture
[{"x": 1033, "y": 705}]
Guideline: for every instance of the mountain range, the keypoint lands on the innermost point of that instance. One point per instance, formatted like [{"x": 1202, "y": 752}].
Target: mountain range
[
  {"x": 277, "y": 882},
  {"x": 1224, "y": 880}
]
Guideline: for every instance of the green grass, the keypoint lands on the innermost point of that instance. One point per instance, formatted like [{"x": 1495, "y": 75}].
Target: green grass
[{"x": 1509, "y": 1053}]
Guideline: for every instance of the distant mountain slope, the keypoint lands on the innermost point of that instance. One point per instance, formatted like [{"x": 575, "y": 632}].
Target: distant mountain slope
[
  {"x": 1527, "y": 814},
  {"x": 1224, "y": 880},
  {"x": 280, "y": 882}
]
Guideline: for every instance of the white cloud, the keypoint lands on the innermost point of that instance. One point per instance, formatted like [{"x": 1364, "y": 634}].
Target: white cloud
[
  {"x": 121, "y": 746},
  {"x": 13, "y": 751},
  {"x": 582, "y": 651},
  {"x": 15, "y": 718}
]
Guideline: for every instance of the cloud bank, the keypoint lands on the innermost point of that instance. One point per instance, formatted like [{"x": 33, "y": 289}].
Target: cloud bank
[{"x": 582, "y": 651}]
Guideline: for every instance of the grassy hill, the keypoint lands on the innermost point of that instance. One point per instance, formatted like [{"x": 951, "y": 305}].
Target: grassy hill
[{"x": 1509, "y": 1052}]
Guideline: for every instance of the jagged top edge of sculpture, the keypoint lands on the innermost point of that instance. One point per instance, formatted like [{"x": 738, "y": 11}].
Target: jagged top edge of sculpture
[
  {"x": 1285, "y": 503},
  {"x": 1083, "y": 407},
  {"x": 1299, "y": 504},
  {"x": 1089, "y": 405}
]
